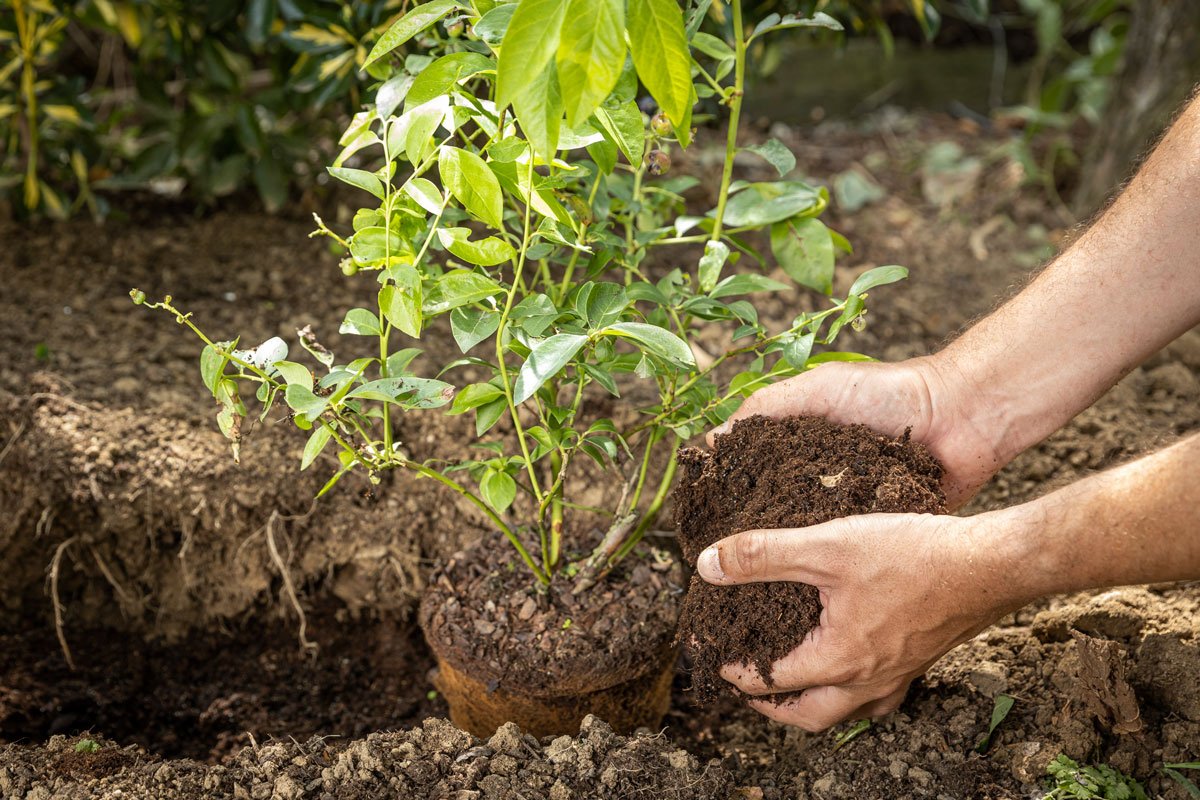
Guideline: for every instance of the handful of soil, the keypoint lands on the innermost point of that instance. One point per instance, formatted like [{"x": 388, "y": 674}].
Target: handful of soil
[{"x": 781, "y": 473}]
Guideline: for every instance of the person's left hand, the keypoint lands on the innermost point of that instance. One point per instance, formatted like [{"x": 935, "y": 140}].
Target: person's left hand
[{"x": 898, "y": 591}]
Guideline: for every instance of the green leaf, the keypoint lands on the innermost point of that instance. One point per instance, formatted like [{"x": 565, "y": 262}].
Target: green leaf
[
  {"x": 401, "y": 305},
  {"x": 776, "y": 154},
  {"x": 544, "y": 362},
  {"x": 316, "y": 443},
  {"x": 294, "y": 374},
  {"x": 493, "y": 25},
  {"x": 712, "y": 47},
  {"x": 764, "y": 203},
  {"x": 407, "y": 391},
  {"x": 880, "y": 276},
  {"x": 530, "y": 44},
  {"x": 487, "y": 415},
  {"x": 774, "y": 22},
  {"x": 658, "y": 341},
  {"x": 302, "y": 400},
  {"x": 470, "y": 326},
  {"x": 467, "y": 177},
  {"x": 444, "y": 74},
  {"x": 212, "y": 367},
  {"x": 591, "y": 54},
  {"x": 534, "y": 314},
  {"x": 483, "y": 253},
  {"x": 398, "y": 361},
  {"x": 458, "y": 288},
  {"x": 1003, "y": 705},
  {"x": 498, "y": 490},
  {"x": 745, "y": 284},
  {"x": 473, "y": 396},
  {"x": 360, "y": 178},
  {"x": 603, "y": 304},
  {"x": 360, "y": 322},
  {"x": 711, "y": 264},
  {"x": 408, "y": 26},
  {"x": 418, "y": 125},
  {"x": 624, "y": 125},
  {"x": 797, "y": 351},
  {"x": 539, "y": 108},
  {"x": 660, "y": 54},
  {"x": 804, "y": 248},
  {"x": 604, "y": 153},
  {"x": 373, "y": 245},
  {"x": 425, "y": 194}
]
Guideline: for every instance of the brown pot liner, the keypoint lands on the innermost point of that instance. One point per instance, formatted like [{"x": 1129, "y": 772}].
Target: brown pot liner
[{"x": 633, "y": 703}]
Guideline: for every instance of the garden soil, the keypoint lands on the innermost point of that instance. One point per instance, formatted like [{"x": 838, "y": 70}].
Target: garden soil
[
  {"x": 231, "y": 638},
  {"x": 781, "y": 473}
]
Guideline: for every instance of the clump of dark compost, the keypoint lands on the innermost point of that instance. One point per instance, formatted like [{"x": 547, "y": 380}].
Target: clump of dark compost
[{"x": 781, "y": 473}]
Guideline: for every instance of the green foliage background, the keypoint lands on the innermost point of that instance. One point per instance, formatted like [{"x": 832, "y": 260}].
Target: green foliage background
[{"x": 203, "y": 99}]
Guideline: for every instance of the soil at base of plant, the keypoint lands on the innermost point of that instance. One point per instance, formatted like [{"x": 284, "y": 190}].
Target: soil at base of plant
[
  {"x": 486, "y": 612},
  {"x": 781, "y": 473}
]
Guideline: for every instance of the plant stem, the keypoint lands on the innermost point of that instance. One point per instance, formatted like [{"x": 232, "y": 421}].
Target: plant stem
[
  {"x": 735, "y": 112},
  {"x": 500, "y": 329},
  {"x": 486, "y": 509},
  {"x": 656, "y": 504}
]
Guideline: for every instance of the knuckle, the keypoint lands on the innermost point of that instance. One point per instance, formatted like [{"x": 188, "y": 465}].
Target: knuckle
[{"x": 749, "y": 553}]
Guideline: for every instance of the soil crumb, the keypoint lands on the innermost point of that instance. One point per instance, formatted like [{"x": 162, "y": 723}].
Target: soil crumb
[
  {"x": 434, "y": 761},
  {"x": 781, "y": 473}
]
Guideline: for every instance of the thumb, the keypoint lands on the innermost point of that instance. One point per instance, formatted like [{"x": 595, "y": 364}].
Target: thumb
[{"x": 804, "y": 555}]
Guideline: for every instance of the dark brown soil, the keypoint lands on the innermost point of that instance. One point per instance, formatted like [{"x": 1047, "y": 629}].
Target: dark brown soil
[
  {"x": 434, "y": 761},
  {"x": 486, "y": 613},
  {"x": 218, "y": 692},
  {"x": 781, "y": 473}
]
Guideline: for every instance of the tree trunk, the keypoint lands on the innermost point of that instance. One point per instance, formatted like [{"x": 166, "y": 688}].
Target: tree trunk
[{"x": 1161, "y": 66}]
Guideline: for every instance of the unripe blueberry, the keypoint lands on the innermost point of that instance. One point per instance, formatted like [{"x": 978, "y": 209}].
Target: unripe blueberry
[
  {"x": 658, "y": 162},
  {"x": 349, "y": 267},
  {"x": 454, "y": 28},
  {"x": 661, "y": 125}
]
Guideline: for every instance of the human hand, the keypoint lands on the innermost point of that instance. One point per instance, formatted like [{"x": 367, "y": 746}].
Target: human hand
[
  {"x": 897, "y": 591},
  {"x": 889, "y": 398}
]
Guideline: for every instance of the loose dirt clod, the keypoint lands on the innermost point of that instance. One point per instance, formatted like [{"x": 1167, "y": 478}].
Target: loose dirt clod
[
  {"x": 435, "y": 761},
  {"x": 775, "y": 473}
]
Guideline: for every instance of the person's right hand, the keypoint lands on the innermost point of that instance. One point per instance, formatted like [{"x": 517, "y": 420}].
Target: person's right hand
[{"x": 889, "y": 398}]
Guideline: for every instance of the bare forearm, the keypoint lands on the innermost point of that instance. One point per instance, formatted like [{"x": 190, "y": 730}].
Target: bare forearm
[
  {"x": 1139, "y": 523},
  {"x": 1122, "y": 291}
]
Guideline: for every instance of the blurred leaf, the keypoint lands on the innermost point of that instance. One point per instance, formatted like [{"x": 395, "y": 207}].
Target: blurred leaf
[
  {"x": 776, "y": 154},
  {"x": 408, "y": 26}
]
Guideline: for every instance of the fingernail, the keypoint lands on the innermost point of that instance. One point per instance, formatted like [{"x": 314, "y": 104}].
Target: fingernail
[{"x": 709, "y": 566}]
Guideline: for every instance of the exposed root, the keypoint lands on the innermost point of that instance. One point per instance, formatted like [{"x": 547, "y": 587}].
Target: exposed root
[
  {"x": 127, "y": 599},
  {"x": 59, "y": 626},
  {"x": 12, "y": 440},
  {"x": 288, "y": 587}
]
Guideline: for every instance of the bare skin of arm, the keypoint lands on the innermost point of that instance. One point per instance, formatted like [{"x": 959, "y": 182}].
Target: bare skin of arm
[
  {"x": 1122, "y": 291},
  {"x": 899, "y": 590}
]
